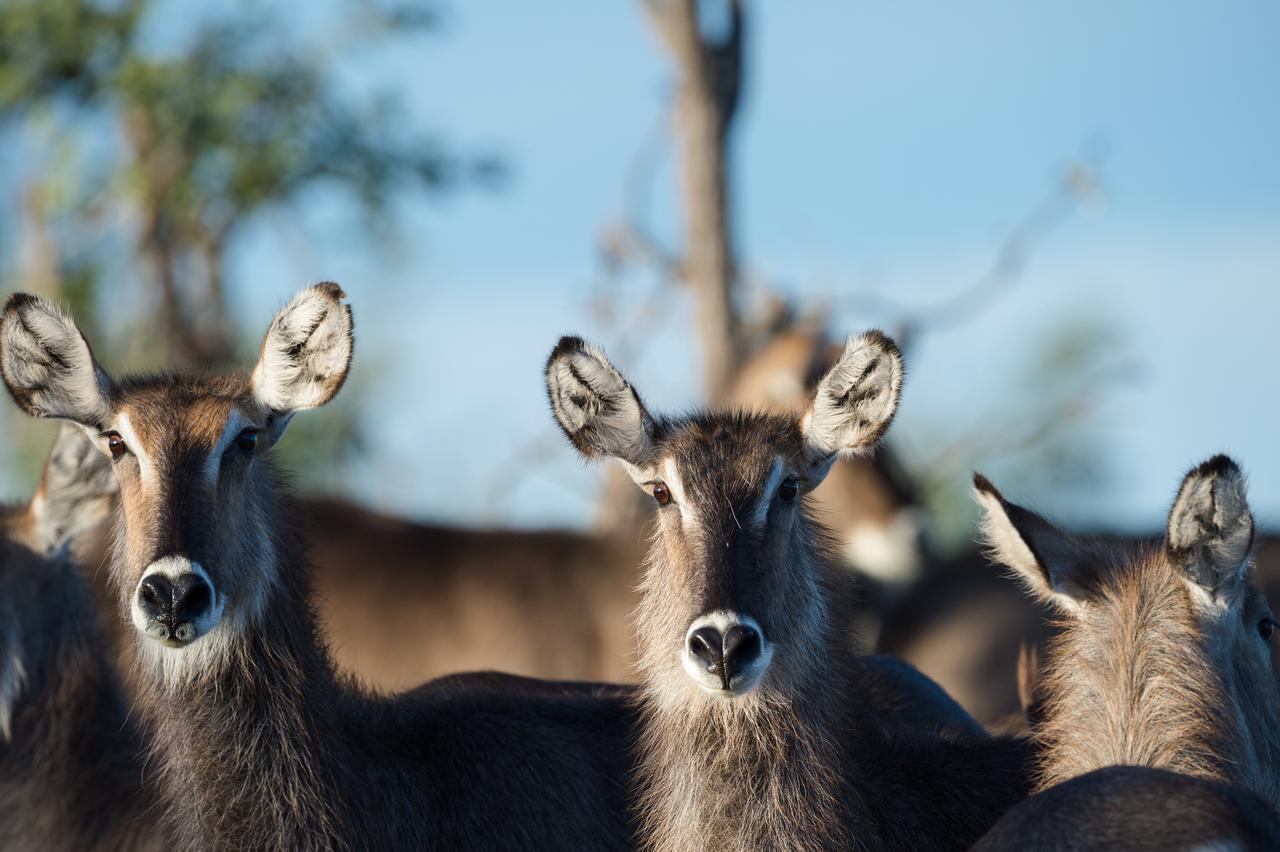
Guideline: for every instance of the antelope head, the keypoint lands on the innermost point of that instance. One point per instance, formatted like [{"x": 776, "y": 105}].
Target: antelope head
[
  {"x": 1165, "y": 656},
  {"x": 194, "y": 546},
  {"x": 735, "y": 596}
]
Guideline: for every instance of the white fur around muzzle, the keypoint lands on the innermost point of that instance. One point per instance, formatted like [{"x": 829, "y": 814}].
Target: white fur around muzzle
[
  {"x": 173, "y": 567},
  {"x": 747, "y": 680}
]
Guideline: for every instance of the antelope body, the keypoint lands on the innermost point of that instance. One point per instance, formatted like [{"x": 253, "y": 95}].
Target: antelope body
[
  {"x": 1162, "y": 667},
  {"x": 255, "y": 741},
  {"x": 70, "y": 774},
  {"x": 754, "y": 732}
]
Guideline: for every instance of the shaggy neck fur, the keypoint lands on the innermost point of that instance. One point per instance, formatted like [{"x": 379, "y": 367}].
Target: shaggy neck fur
[
  {"x": 1132, "y": 682},
  {"x": 260, "y": 746},
  {"x": 70, "y": 776},
  {"x": 243, "y": 722},
  {"x": 761, "y": 771}
]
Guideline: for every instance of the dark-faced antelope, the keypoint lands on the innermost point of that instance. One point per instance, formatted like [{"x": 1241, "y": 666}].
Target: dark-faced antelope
[
  {"x": 70, "y": 771},
  {"x": 755, "y": 734},
  {"x": 1163, "y": 664},
  {"x": 255, "y": 741}
]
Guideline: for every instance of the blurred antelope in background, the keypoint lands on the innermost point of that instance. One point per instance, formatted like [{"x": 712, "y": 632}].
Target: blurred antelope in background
[
  {"x": 1163, "y": 663},
  {"x": 71, "y": 776},
  {"x": 754, "y": 731},
  {"x": 256, "y": 742}
]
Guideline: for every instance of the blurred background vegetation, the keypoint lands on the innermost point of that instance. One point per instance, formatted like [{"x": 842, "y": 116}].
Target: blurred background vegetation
[
  {"x": 142, "y": 166},
  {"x": 151, "y": 145}
]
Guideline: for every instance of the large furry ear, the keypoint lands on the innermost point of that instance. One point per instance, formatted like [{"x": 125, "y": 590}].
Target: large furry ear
[
  {"x": 1049, "y": 562},
  {"x": 305, "y": 356},
  {"x": 855, "y": 400},
  {"x": 1210, "y": 534},
  {"x": 47, "y": 364},
  {"x": 77, "y": 491},
  {"x": 597, "y": 408}
]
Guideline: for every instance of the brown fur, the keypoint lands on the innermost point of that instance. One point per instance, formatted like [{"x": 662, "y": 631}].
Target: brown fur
[
  {"x": 1150, "y": 667},
  {"x": 257, "y": 742},
  {"x": 803, "y": 762},
  {"x": 71, "y": 776},
  {"x": 1132, "y": 682},
  {"x": 1159, "y": 685},
  {"x": 793, "y": 759}
]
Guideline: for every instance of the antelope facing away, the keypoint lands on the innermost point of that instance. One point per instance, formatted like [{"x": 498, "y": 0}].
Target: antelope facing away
[
  {"x": 70, "y": 774},
  {"x": 755, "y": 730},
  {"x": 255, "y": 741},
  {"x": 1162, "y": 666}
]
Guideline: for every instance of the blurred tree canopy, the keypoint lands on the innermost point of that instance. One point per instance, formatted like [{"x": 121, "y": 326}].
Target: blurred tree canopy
[{"x": 146, "y": 164}]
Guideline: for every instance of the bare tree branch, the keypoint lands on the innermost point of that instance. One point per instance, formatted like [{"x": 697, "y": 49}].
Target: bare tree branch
[
  {"x": 1081, "y": 182},
  {"x": 710, "y": 80}
]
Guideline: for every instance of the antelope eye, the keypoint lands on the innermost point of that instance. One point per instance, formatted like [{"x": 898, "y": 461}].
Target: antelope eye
[
  {"x": 116, "y": 445},
  {"x": 247, "y": 441},
  {"x": 661, "y": 493},
  {"x": 1266, "y": 627},
  {"x": 788, "y": 490}
]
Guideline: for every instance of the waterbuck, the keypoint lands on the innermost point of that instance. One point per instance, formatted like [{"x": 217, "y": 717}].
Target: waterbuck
[
  {"x": 256, "y": 743},
  {"x": 70, "y": 774},
  {"x": 1162, "y": 665},
  {"x": 755, "y": 732}
]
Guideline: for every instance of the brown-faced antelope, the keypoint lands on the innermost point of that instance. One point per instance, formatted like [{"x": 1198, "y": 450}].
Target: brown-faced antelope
[
  {"x": 256, "y": 742},
  {"x": 1163, "y": 664},
  {"x": 754, "y": 732},
  {"x": 70, "y": 774}
]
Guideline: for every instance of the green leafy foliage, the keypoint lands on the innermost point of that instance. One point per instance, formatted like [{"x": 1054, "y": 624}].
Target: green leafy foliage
[{"x": 147, "y": 166}]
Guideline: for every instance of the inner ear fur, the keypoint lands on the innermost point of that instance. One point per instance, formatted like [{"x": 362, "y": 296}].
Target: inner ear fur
[
  {"x": 47, "y": 365},
  {"x": 856, "y": 400},
  {"x": 597, "y": 409},
  {"x": 305, "y": 356},
  {"x": 1049, "y": 562},
  {"x": 1211, "y": 530}
]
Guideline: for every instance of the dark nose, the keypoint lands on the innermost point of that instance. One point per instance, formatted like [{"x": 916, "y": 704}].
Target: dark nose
[
  {"x": 175, "y": 604},
  {"x": 726, "y": 655}
]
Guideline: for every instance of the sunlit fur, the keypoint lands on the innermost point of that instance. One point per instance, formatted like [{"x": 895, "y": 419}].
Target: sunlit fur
[
  {"x": 1149, "y": 675},
  {"x": 701, "y": 749},
  {"x": 1159, "y": 662},
  {"x": 802, "y": 760},
  {"x": 177, "y": 423},
  {"x": 1131, "y": 680},
  {"x": 256, "y": 743},
  {"x": 46, "y": 363}
]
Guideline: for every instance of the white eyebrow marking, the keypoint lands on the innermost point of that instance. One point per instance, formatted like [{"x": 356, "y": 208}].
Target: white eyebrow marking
[
  {"x": 671, "y": 476},
  {"x": 766, "y": 496},
  {"x": 236, "y": 421},
  {"x": 131, "y": 440}
]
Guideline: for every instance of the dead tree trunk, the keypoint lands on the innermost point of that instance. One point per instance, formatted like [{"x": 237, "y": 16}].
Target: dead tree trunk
[{"x": 710, "y": 73}]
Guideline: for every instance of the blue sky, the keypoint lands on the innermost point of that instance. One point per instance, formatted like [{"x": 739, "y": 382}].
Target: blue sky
[
  {"x": 885, "y": 147},
  {"x": 889, "y": 146}
]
